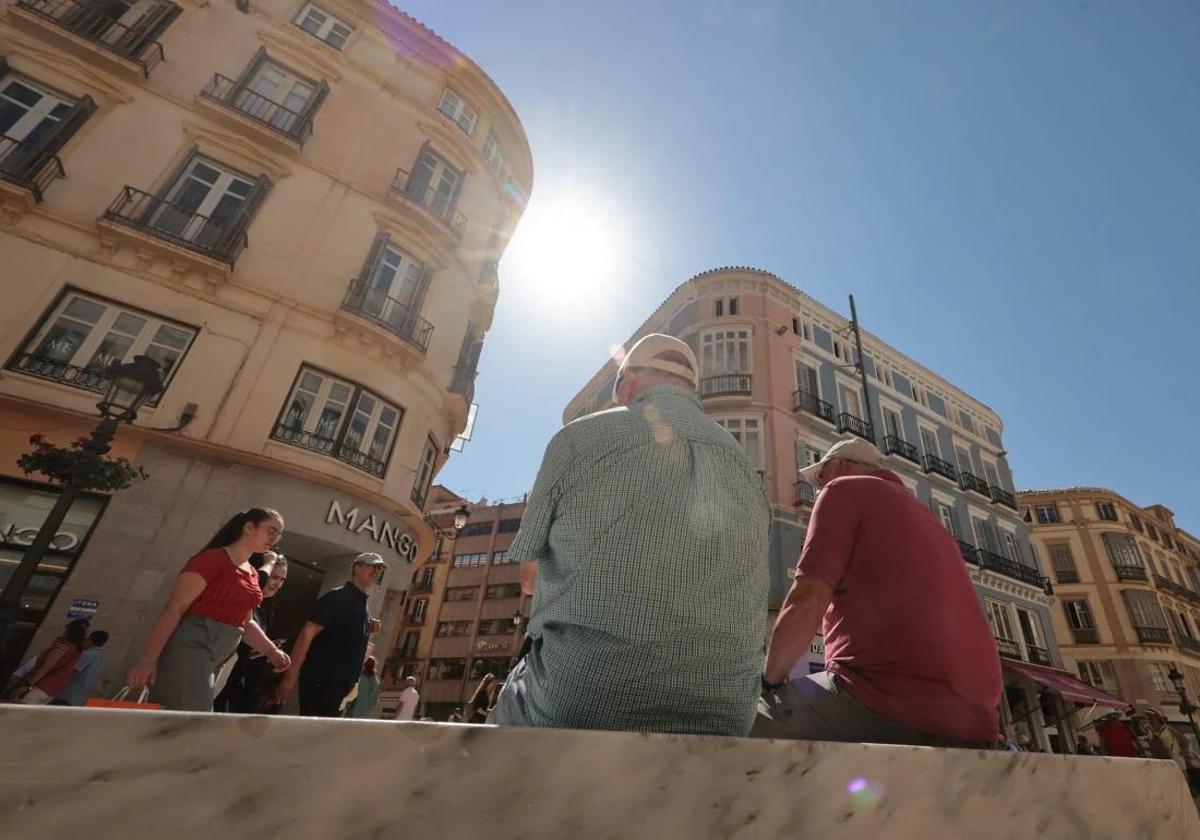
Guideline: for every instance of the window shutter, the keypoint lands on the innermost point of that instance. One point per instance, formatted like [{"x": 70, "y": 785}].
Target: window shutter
[
  {"x": 243, "y": 80},
  {"x": 418, "y": 179},
  {"x": 170, "y": 183},
  {"x": 152, "y": 25},
  {"x": 418, "y": 300},
  {"x": 69, "y": 124},
  {"x": 249, "y": 209},
  {"x": 310, "y": 109}
]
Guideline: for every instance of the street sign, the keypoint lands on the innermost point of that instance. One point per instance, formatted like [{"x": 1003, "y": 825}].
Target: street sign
[{"x": 82, "y": 608}]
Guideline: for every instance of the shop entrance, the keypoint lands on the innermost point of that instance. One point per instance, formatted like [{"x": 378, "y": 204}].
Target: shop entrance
[{"x": 295, "y": 601}]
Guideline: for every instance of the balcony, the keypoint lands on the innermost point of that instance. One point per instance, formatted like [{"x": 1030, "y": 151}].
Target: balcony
[
  {"x": 437, "y": 203},
  {"x": 847, "y": 422},
  {"x": 969, "y": 553},
  {"x": 464, "y": 383},
  {"x": 385, "y": 311},
  {"x": 1009, "y": 648},
  {"x": 967, "y": 481},
  {"x": 1153, "y": 635},
  {"x": 934, "y": 464},
  {"x": 1038, "y": 655},
  {"x": 726, "y": 385},
  {"x": 1130, "y": 572},
  {"x": 804, "y": 401},
  {"x": 279, "y": 118},
  {"x": 1085, "y": 635},
  {"x": 86, "y": 21},
  {"x": 1188, "y": 644},
  {"x": 88, "y": 379},
  {"x": 173, "y": 223},
  {"x": 1009, "y": 568},
  {"x": 27, "y": 166},
  {"x": 893, "y": 445},
  {"x": 344, "y": 451},
  {"x": 1003, "y": 497},
  {"x": 1182, "y": 592},
  {"x": 806, "y": 494},
  {"x": 1066, "y": 576}
]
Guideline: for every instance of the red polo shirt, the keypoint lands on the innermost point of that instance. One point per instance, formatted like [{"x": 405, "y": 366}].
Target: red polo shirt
[
  {"x": 905, "y": 631},
  {"x": 229, "y": 594}
]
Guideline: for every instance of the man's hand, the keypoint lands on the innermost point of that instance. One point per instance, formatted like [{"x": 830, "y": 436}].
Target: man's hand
[{"x": 375, "y": 625}]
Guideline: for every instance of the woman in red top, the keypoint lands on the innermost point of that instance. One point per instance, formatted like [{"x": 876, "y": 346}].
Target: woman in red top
[
  {"x": 207, "y": 614},
  {"x": 53, "y": 668}
]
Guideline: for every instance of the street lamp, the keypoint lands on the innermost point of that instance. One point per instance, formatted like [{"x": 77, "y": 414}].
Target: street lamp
[
  {"x": 1185, "y": 705},
  {"x": 460, "y": 518},
  {"x": 130, "y": 385}
]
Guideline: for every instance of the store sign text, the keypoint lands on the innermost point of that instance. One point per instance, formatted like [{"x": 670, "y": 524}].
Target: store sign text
[
  {"x": 16, "y": 535},
  {"x": 382, "y": 531}
]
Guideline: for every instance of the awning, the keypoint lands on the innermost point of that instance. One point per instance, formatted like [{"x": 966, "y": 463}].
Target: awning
[{"x": 1066, "y": 685}]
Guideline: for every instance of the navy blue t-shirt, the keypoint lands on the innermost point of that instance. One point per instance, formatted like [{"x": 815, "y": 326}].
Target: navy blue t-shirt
[{"x": 337, "y": 652}]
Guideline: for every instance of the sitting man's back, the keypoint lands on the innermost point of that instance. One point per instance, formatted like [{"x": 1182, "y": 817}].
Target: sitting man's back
[{"x": 649, "y": 531}]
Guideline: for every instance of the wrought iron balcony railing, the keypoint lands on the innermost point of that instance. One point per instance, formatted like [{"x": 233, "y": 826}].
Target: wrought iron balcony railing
[
  {"x": 847, "y": 422},
  {"x": 1008, "y": 648},
  {"x": 969, "y": 481},
  {"x": 1066, "y": 576},
  {"x": 227, "y": 92},
  {"x": 1009, "y": 567},
  {"x": 176, "y": 224},
  {"x": 968, "y": 552},
  {"x": 804, "y": 401},
  {"x": 1002, "y": 496},
  {"x": 90, "y": 23},
  {"x": 806, "y": 494},
  {"x": 1085, "y": 635},
  {"x": 934, "y": 464},
  {"x": 1175, "y": 589},
  {"x": 1038, "y": 655},
  {"x": 28, "y": 166},
  {"x": 1129, "y": 572},
  {"x": 1153, "y": 635},
  {"x": 397, "y": 318},
  {"x": 725, "y": 385},
  {"x": 1189, "y": 644},
  {"x": 893, "y": 445},
  {"x": 437, "y": 203},
  {"x": 344, "y": 451},
  {"x": 90, "y": 379}
]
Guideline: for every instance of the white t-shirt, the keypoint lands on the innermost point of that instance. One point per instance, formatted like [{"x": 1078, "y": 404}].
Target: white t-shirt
[{"x": 406, "y": 709}]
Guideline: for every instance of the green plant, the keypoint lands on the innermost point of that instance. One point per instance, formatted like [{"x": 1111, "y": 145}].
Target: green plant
[{"x": 80, "y": 465}]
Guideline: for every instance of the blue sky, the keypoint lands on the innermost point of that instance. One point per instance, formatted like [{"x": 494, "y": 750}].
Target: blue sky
[{"x": 1011, "y": 191}]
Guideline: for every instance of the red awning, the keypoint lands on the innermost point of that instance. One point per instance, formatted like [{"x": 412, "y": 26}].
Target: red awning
[{"x": 1066, "y": 685}]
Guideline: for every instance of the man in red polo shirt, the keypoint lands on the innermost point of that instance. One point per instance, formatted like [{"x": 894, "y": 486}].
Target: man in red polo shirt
[{"x": 909, "y": 655}]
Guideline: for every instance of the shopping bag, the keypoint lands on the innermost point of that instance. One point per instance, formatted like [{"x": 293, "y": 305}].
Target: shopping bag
[{"x": 119, "y": 701}]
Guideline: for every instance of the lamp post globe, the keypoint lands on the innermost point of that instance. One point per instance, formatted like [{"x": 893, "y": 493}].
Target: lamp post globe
[
  {"x": 460, "y": 518},
  {"x": 130, "y": 385}
]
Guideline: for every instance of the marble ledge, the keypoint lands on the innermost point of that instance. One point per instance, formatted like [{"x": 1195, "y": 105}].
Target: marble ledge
[{"x": 101, "y": 773}]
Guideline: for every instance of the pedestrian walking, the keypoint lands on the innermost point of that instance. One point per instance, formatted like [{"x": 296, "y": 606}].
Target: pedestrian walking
[
  {"x": 367, "y": 698},
  {"x": 52, "y": 669},
  {"x": 207, "y": 614},
  {"x": 328, "y": 655},
  {"x": 909, "y": 655},
  {"x": 243, "y": 689},
  {"x": 1084, "y": 747},
  {"x": 85, "y": 673},
  {"x": 482, "y": 700},
  {"x": 644, "y": 543},
  {"x": 410, "y": 699}
]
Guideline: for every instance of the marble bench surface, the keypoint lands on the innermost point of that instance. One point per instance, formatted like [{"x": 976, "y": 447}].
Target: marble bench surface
[{"x": 98, "y": 773}]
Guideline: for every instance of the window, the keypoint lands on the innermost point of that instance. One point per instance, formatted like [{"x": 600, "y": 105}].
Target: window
[
  {"x": 447, "y": 669},
  {"x": 459, "y": 112},
  {"x": 1152, "y": 532},
  {"x": 454, "y": 628},
  {"x": 422, "y": 580},
  {"x": 1009, "y": 543},
  {"x": 1106, "y": 511},
  {"x": 1166, "y": 540},
  {"x": 501, "y": 558},
  {"x": 496, "y": 627},
  {"x": 424, "y": 474},
  {"x": 409, "y": 649},
  {"x": 725, "y": 351},
  {"x": 718, "y": 307},
  {"x": 416, "y": 611},
  {"x": 964, "y": 460},
  {"x": 946, "y": 515},
  {"x": 501, "y": 591},
  {"x": 205, "y": 205},
  {"x": 1000, "y": 617},
  {"x": 320, "y": 24},
  {"x": 1098, "y": 673},
  {"x": 278, "y": 96},
  {"x": 1144, "y": 609},
  {"x": 964, "y": 420},
  {"x": 983, "y": 534},
  {"x": 1079, "y": 615},
  {"x": 83, "y": 335},
  {"x": 745, "y": 431},
  {"x": 1063, "y": 563},
  {"x": 1136, "y": 523},
  {"x": 339, "y": 418},
  {"x": 464, "y": 561},
  {"x": 1031, "y": 628},
  {"x": 1158, "y": 676},
  {"x": 807, "y": 332},
  {"x": 796, "y": 326},
  {"x": 435, "y": 185},
  {"x": 1047, "y": 514},
  {"x": 989, "y": 473},
  {"x": 493, "y": 153},
  {"x": 509, "y": 526},
  {"x": 35, "y": 123},
  {"x": 391, "y": 290},
  {"x": 806, "y": 380},
  {"x": 476, "y": 529},
  {"x": 1122, "y": 550},
  {"x": 733, "y": 306},
  {"x": 837, "y": 349},
  {"x": 929, "y": 441},
  {"x": 919, "y": 395},
  {"x": 892, "y": 425},
  {"x": 849, "y": 399},
  {"x": 462, "y": 593}
]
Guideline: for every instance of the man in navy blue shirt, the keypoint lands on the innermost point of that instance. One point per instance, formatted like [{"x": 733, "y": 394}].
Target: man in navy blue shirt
[{"x": 329, "y": 652}]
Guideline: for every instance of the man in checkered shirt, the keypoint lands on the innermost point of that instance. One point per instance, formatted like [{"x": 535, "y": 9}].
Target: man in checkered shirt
[{"x": 644, "y": 544}]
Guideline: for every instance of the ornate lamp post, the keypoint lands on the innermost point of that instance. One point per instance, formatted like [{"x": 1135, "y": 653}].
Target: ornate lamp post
[
  {"x": 130, "y": 385},
  {"x": 1185, "y": 705}
]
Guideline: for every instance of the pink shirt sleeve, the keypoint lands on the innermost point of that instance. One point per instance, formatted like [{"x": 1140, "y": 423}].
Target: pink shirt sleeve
[{"x": 832, "y": 532}]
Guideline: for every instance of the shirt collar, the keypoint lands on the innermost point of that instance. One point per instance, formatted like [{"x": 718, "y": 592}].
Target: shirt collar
[{"x": 664, "y": 391}]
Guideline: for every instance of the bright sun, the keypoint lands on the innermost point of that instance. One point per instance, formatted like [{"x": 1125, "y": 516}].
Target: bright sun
[{"x": 565, "y": 253}]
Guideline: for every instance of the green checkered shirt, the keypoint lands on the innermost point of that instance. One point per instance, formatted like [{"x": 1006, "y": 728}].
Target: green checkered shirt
[{"x": 650, "y": 530}]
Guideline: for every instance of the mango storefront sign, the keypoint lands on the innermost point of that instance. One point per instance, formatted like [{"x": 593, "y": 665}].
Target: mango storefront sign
[{"x": 385, "y": 533}]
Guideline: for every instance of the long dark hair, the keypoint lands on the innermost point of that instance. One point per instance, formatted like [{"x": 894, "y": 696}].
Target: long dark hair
[
  {"x": 232, "y": 530},
  {"x": 369, "y": 666},
  {"x": 76, "y": 632}
]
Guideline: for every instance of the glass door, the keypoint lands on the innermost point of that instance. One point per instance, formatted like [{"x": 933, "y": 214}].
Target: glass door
[{"x": 203, "y": 203}]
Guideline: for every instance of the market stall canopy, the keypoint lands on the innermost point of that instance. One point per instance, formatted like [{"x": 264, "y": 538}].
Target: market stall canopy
[{"x": 1067, "y": 686}]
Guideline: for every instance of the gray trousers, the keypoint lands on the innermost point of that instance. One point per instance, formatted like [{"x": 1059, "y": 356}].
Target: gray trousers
[
  {"x": 189, "y": 661},
  {"x": 818, "y": 708}
]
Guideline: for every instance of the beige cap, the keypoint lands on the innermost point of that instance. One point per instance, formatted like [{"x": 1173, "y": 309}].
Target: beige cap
[
  {"x": 665, "y": 353},
  {"x": 369, "y": 559},
  {"x": 853, "y": 449}
]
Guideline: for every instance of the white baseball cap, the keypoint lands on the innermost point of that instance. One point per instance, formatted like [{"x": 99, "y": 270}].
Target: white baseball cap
[
  {"x": 665, "y": 353},
  {"x": 852, "y": 449}
]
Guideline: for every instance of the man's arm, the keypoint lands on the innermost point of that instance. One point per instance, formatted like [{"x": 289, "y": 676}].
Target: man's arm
[
  {"x": 529, "y": 577},
  {"x": 798, "y": 621},
  {"x": 299, "y": 654}
]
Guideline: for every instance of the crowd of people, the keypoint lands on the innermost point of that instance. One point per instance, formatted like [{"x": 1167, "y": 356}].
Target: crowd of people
[{"x": 64, "y": 673}]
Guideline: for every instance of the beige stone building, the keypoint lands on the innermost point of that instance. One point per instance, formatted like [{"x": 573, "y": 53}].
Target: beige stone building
[
  {"x": 297, "y": 208},
  {"x": 1127, "y": 583}
]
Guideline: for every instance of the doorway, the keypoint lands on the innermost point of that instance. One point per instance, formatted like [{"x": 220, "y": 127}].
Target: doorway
[{"x": 295, "y": 601}]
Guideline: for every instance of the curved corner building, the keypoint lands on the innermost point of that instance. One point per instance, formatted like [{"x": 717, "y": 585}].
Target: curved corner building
[{"x": 298, "y": 209}]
